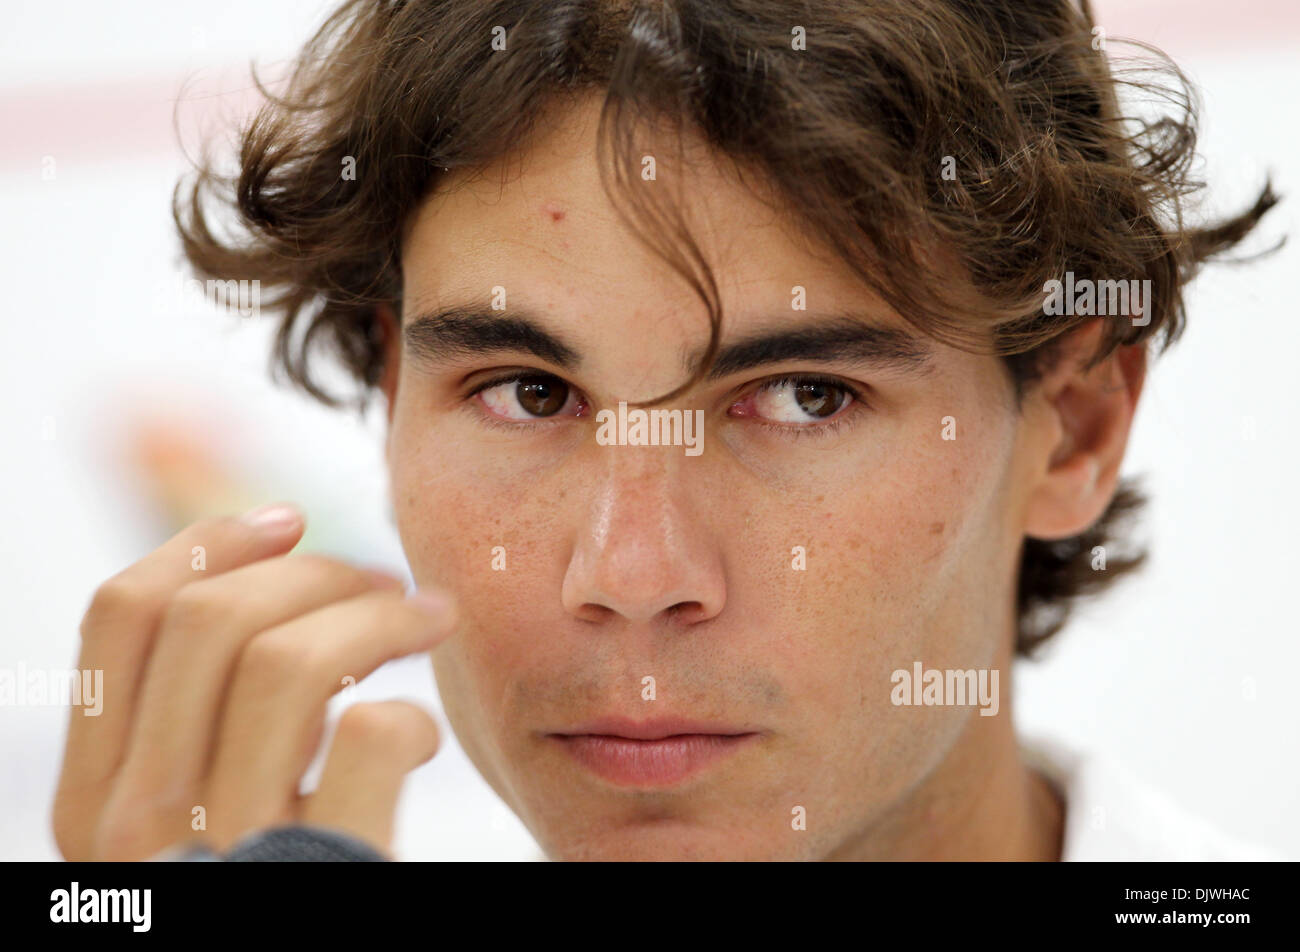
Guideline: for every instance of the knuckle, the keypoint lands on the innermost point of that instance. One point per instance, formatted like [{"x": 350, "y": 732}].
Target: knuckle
[
  {"x": 197, "y": 606},
  {"x": 273, "y": 657},
  {"x": 115, "y": 597}
]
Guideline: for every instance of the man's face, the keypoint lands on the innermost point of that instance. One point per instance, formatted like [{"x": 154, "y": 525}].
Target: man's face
[{"x": 768, "y": 586}]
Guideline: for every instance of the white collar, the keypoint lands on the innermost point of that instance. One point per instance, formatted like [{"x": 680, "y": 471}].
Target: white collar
[{"x": 1112, "y": 815}]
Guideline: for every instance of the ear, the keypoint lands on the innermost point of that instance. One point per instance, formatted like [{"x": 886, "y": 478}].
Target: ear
[
  {"x": 390, "y": 337},
  {"x": 1084, "y": 420}
]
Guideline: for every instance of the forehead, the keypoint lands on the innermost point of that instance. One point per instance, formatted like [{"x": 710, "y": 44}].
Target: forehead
[{"x": 539, "y": 224}]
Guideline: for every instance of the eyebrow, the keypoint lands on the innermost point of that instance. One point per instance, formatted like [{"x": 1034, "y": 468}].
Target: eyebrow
[
  {"x": 478, "y": 330},
  {"x": 829, "y": 338}
]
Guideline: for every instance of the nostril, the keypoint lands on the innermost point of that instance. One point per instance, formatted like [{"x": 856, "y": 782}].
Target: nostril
[
  {"x": 592, "y": 612},
  {"x": 686, "y": 612}
]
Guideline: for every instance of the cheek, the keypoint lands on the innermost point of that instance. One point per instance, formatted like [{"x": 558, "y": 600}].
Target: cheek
[
  {"x": 933, "y": 551},
  {"x": 469, "y": 514},
  {"x": 895, "y": 562},
  {"x": 480, "y": 527},
  {"x": 894, "y": 565}
]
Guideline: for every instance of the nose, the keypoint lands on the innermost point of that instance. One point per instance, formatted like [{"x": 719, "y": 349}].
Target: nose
[{"x": 641, "y": 552}]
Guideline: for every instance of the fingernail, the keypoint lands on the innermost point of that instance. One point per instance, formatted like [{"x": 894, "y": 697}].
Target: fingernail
[
  {"x": 276, "y": 516},
  {"x": 434, "y": 604}
]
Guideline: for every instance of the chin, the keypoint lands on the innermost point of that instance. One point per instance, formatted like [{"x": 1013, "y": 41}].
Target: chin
[{"x": 664, "y": 841}]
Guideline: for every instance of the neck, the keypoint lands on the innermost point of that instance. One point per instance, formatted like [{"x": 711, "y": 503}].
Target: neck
[{"x": 981, "y": 803}]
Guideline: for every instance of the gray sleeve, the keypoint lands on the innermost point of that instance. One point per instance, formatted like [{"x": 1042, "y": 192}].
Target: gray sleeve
[{"x": 285, "y": 844}]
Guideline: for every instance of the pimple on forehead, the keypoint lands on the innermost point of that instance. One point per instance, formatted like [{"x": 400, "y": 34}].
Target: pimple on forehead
[{"x": 553, "y": 211}]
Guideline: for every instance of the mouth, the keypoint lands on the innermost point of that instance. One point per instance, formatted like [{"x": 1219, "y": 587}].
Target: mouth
[{"x": 659, "y": 753}]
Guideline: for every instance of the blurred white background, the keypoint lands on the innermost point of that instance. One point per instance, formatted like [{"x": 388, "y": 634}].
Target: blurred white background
[{"x": 1184, "y": 675}]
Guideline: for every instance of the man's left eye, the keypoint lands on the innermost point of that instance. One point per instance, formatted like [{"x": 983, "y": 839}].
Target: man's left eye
[{"x": 795, "y": 400}]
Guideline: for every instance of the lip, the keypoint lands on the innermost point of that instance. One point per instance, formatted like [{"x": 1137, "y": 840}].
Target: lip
[{"x": 657, "y": 753}]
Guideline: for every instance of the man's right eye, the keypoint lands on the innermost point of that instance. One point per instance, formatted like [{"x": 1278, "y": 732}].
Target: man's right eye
[{"x": 526, "y": 397}]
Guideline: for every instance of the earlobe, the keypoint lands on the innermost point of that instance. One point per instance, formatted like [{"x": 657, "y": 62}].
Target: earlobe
[{"x": 1085, "y": 417}]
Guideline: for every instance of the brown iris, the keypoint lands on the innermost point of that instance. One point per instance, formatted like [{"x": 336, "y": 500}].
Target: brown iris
[
  {"x": 818, "y": 399},
  {"x": 541, "y": 396}
]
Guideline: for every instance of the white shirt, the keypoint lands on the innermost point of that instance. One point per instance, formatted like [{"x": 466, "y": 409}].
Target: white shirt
[{"x": 1112, "y": 815}]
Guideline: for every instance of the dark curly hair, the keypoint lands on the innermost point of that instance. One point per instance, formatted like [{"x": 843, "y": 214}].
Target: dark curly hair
[{"x": 852, "y": 109}]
